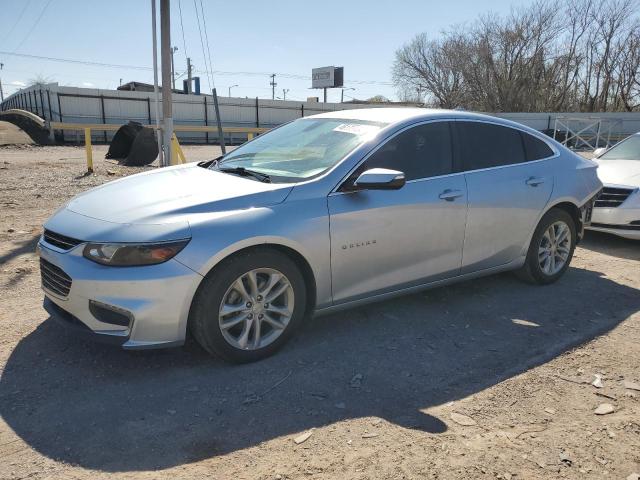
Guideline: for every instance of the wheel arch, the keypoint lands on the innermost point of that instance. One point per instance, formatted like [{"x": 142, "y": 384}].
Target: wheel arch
[
  {"x": 565, "y": 204},
  {"x": 298, "y": 258},
  {"x": 573, "y": 210},
  {"x": 301, "y": 262}
]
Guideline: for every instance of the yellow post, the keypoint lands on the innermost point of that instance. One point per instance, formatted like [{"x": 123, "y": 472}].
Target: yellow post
[
  {"x": 87, "y": 147},
  {"x": 177, "y": 156},
  {"x": 174, "y": 150},
  {"x": 249, "y": 136}
]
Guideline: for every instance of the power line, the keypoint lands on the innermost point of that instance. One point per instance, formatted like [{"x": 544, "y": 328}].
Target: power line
[
  {"x": 218, "y": 72},
  {"x": 77, "y": 62},
  {"x": 204, "y": 55},
  {"x": 24, "y": 9},
  {"x": 206, "y": 36},
  {"x": 184, "y": 44},
  {"x": 33, "y": 27}
]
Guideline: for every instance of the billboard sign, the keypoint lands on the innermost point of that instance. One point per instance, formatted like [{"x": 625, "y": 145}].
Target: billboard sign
[{"x": 327, "y": 77}]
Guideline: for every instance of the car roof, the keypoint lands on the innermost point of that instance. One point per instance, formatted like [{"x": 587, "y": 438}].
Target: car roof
[{"x": 394, "y": 115}]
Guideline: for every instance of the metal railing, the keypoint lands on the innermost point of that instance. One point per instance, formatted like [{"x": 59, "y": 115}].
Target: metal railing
[{"x": 586, "y": 132}]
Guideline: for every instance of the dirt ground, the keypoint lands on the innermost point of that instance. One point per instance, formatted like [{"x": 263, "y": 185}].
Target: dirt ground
[
  {"x": 10, "y": 135},
  {"x": 486, "y": 379}
]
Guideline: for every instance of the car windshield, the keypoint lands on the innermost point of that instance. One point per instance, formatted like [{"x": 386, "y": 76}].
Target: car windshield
[
  {"x": 301, "y": 149},
  {"x": 628, "y": 149}
]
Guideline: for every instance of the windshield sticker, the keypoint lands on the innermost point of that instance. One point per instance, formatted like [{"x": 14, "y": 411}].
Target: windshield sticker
[
  {"x": 291, "y": 153},
  {"x": 356, "y": 129}
]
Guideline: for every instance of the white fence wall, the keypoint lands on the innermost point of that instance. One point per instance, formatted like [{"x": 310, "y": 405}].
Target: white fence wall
[{"x": 86, "y": 105}]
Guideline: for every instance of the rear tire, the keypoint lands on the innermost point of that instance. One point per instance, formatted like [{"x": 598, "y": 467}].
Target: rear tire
[
  {"x": 551, "y": 248},
  {"x": 249, "y": 306}
]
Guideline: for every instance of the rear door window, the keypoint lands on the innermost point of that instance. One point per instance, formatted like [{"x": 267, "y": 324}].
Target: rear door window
[{"x": 485, "y": 145}]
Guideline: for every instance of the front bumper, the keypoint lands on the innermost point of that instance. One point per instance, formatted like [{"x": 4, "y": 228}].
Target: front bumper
[
  {"x": 632, "y": 232},
  {"x": 623, "y": 221},
  {"x": 157, "y": 297},
  {"x": 75, "y": 325}
]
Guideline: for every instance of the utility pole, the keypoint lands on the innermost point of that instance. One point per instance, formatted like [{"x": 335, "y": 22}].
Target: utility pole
[
  {"x": 218, "y": 121},
  {"x": 167, "y": 100},
  {"x": 189, "y": 68},
  {"x": 273, "y": 86},
  {"x": 284, "y": 93},
  {"x": 173, "y": 68},
  {"x": 156, "y": 94}
]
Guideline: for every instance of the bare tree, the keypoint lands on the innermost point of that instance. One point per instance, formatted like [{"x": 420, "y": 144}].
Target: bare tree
[
  {"x": 535, "y": 59},
  {"x": 430, "y": 66},
  {"x": 378, "y": 99},
  {"x": 40, "y": 79},
  {"x": 629, "y": 78}
]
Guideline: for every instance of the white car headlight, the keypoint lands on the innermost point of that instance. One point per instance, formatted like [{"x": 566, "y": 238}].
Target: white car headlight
[{"x": 128, "y": 254}]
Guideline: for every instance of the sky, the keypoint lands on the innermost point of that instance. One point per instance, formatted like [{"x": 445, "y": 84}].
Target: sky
[{"x": 248, "y": 41}]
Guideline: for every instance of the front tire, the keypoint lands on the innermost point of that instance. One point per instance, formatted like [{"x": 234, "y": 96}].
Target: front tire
[
  {"x": 249, "y": 306},
  {"x": 551, "y": 248}
]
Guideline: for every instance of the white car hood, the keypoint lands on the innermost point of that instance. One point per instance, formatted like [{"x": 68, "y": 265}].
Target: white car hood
[
  {"x": 619, "y": 172},
  {"x": 174, "y": 194}
]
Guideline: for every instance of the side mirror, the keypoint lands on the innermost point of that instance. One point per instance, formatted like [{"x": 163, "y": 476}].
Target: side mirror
[
  {"x": 598, "y": 151},
  {"x": 380, "y": 179}
]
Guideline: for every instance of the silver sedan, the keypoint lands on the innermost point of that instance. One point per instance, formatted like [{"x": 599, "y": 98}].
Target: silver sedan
[
  {"x": 323, "y": 213},
  {"x": 617, "y": 210}
]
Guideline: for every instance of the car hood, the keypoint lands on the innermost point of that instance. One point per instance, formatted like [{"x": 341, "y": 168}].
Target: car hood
[
  {"x": 619, "y": 172},
  {"x": 174, "y": 194}
]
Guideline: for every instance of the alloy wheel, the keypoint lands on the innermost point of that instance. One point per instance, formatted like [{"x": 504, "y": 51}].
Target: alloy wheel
[
  {"x": 256, "y": 309},
  {"x": 554, "y": 248}
]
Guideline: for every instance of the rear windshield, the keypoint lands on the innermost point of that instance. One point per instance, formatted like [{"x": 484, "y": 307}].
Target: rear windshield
[
  {"x": 301, "y": 149},
  {"x": 628, "y": 149}
]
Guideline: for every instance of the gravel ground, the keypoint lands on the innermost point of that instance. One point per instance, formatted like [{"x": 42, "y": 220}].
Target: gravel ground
[
  {"x": 10, "y": 134},
  {"x": 486, "y": 379}
]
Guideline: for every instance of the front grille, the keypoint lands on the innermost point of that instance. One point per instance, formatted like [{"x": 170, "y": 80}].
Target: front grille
[
  {"x": 54, "y": 279},
  {"x": 61, "y": 241},
  {"x": 612, "y": 197}
]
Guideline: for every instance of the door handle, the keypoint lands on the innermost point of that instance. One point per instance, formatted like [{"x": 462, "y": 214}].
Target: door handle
[
  {"x": 450, "y": 195},
  {"x": 534, "y": 181}
]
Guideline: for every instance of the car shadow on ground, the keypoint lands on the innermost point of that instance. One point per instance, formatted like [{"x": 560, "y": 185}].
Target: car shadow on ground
[
  {"x": 21, "y": 247},
  {"x": 611, "y": 245},
  {"x": 114, "y": 411}
]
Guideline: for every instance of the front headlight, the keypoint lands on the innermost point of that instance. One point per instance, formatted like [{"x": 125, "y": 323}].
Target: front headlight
[{"x": 129, "y": 254}]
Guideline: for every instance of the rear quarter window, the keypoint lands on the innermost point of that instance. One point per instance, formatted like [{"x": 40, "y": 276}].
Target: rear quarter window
[{"x": 534, "y": 148}]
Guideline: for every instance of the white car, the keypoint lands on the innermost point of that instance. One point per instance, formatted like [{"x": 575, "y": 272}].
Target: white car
[{"x": 617, "y": 209}]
